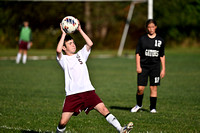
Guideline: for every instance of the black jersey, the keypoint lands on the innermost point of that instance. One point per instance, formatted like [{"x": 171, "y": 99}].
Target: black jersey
[{"x": 150, "y": 50}]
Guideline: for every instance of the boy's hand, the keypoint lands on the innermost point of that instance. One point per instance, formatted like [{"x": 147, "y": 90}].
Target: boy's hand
[
  {"x": 63, "y": 32},
  {"x": 79, "y": 25},
  {"x": 139, "y": 70},
  {"x": 162, "y": 73}
]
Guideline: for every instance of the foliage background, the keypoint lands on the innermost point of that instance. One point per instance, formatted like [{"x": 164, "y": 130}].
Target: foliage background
[{"x": 178, "y": 22}]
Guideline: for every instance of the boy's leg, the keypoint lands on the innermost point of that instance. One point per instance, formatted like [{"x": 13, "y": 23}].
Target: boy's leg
[
  {"x": 101, "y": 108},
  {"x": 24, "y": 57},
  {"x": 139, "y": 96},
  {"x": 154, "y": 82},
  {"x": 139, "y": 99},
  {"x": 63, "y": 122},
  {"x": 19, "y": 54},
  {"x": 142, "y": 79}
]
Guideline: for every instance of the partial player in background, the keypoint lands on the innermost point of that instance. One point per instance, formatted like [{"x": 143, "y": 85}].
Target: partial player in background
[
  {"x": 25, "y": 42},
  {"x": 80, "y": 93},
  {"x": 149, "y": 56}
]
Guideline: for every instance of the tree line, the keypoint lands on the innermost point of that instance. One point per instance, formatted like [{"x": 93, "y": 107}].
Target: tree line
[{"x": 178, "y": 22}]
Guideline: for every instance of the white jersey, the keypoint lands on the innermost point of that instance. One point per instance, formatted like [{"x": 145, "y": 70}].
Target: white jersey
[{"x": 76, "y": 73}]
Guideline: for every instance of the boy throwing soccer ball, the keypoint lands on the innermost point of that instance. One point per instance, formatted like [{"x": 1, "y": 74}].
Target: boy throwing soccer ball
[{"x": 80, "y": 94}]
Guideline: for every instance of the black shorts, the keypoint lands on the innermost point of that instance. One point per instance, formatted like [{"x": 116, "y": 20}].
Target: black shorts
[{"x": 153, "y": 72}]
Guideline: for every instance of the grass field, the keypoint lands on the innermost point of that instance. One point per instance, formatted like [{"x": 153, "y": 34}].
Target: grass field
[{"x": 31, "y": 95}]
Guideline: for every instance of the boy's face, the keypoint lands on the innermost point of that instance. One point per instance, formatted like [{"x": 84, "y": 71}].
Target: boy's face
[
  {"x": 70, "y": 47},
  {"x": 26, "y": 23}
]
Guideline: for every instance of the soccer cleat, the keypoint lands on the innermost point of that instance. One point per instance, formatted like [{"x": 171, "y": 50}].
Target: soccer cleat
[
  {"x": 127, "y": 128},
  {"x": 153, "y": 111},
  {"x": 136, "y": 108}
]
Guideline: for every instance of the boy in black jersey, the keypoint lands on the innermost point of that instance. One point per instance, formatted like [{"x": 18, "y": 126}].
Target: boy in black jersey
[{"x": 149, "y": 55}]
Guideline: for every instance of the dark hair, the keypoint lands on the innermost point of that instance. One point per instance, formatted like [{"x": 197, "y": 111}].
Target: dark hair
[
  {"x": 67, "y": 38},
  {"x": 151, "y": 21}
]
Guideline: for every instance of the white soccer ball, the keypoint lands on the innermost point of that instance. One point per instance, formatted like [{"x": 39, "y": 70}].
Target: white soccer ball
[{"x": 69, "y": 24}]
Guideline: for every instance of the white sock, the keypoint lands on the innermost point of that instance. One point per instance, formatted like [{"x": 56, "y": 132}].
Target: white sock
[
  {"x": 60, "y": 130},
  {"x": 24, "y": 59},
  {"x": 113, "y": 121},
  {"x": 18, "y": 58}
]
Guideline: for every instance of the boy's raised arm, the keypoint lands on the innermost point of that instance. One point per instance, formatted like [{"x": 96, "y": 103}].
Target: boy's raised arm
[
  {"x": 87, "y": 39},
  {"x": 60, "y": 43}
]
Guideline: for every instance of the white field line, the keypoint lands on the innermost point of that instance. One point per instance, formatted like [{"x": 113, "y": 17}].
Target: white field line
[
  {"x": 21, "y": 129},
  {"x": 102, "y": 56},
  {"x": 28, "y": 130},
  {"x": 14, "y": 128},
  {"x": 29, "y": 57}
]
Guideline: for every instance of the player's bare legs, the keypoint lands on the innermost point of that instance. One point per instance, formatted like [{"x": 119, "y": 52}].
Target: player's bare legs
[
  {"x": 65, "y": 117},
  {"x": 21, "y": 51},
  {"x": 153, "y": 91},
  {"x": 25, "y": 52},
  {"x": 140, "y": 90},
  {"x": 101, "y": 108},
  {"x": 63, "y": 122}
]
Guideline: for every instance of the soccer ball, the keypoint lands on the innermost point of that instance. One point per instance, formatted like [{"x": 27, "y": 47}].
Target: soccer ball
[{"x": 69, "y": 24}]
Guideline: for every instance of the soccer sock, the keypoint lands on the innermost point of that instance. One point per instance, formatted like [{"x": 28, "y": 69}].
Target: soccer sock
[
  {"x": 60, "y": 129},
  {"x": 24, "y": 59},
  {"x": 113, "y": 121},
  {"x": 153, "y": 101},
  {"x": 139, "y": 99},
  {"x": 18, "y": 58}
]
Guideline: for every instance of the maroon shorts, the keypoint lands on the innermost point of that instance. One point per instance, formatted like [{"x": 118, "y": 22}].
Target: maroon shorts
[
  {"x": 82, "y": 101},
  {"x": 23, "y": 45}
]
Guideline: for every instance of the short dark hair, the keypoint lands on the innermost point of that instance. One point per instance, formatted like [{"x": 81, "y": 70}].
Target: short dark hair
[
  {"x": 67, "y": 38},
  {"x": 151, "y": 21}
]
